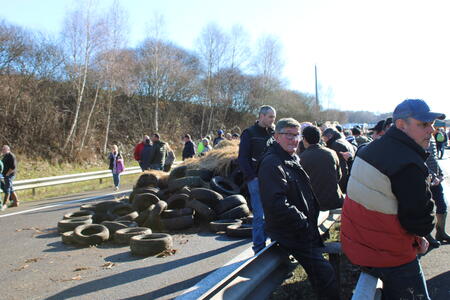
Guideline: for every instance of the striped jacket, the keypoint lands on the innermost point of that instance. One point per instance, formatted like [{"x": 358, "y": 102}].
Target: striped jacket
[{"x": 388, "y": 203}]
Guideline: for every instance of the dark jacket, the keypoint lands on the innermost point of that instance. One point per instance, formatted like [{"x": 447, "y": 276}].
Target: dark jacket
[
  {"x": 217, "y": 140},
  {"x": 432, "y": 164},
  {"x": 322, "y": 166},
  {"x": 339, "y": 144},
  {"x": 388, "y": 203},
  {"x": 146, "y": 156},
  {"x": 290, "y": 207},
  {"x": 253, "y": 143},
  {"x": 159, "y": 153},
  {"x": 188, "y": 150},
  {"x": 111, "y": 159},
  {"x": 9, "y": 162}
]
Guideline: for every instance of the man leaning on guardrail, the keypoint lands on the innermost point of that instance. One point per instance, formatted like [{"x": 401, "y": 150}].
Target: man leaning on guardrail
[
  {"x": 291, "y": 209},
  {"x": 388, "y": 209}
]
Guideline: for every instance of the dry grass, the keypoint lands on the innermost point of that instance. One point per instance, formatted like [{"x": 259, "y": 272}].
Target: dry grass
[{"x": 220, "y": 159}]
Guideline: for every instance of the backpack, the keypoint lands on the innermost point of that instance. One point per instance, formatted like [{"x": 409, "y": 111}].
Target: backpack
[{"x": 440, "y": 137}]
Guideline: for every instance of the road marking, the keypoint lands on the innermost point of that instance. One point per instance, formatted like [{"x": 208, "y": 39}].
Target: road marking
[{"x": 63, "y": 203}]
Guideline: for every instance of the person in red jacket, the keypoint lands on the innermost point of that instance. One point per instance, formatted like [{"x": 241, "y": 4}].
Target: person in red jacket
[
  {"x": 388, "y": 209},
  {"x": 138, "y": 149}
]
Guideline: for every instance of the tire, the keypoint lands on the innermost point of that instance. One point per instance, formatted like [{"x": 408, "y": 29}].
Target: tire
[
  {"x": 177, "y": 223},
  {"x": 143, "y": 201},
  {"x": 243, "y": 230},
  {"x": 163, "y": 194},
  {"x": 224, "y": 186},
  {"x": 71, "y": 224},
  {"x": 150, "y": 244},
  {"x": 204, "y": 174},
  {"x": 80, "y": 213},
  {"x": 119, "y": 211},
  {"x": 123, "y": 236},
  {"x": 143, "y": 215},
  {"x": 203, "y": 211},
  {"x": 229, "y": 202},
  {"x": 177, "y": 201},
  {"x": 247, "y": 220},
  {"x": 177, "y": 172},
  {"x": 185, "y": 190},
  {"x": 238, "y": 212},
  {"x": 138, "y": 191},
  {"x": 153, "y": 220},
  {"x": 129, "y": 217},
  {"x": 67, "y": 238},
  {"x": 237, "y": 177},
  {"x": 113, "y": 226},
  {"x": 221, "y": 225},
  {"x": 89, "y": 235},
  {"x": 172, "y": 213},
  {"x": 191, "y": 181},
  {"x": 105, "y": 206},
  {"x": 102, "y": 216},
  {"x": 206, "y": 196}
]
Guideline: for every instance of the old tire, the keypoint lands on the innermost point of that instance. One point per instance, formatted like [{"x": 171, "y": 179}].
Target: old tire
[
  {"x": 80, "y": 213},
  {"x": 153, "y": 219},
  {"x": 177, "y": 223},
  {"x": 238, "y": 212},
  {"x": 67, "y": 237},
  {"x": 191, "y": 181},
  {"x": 105, "y": 206},
  {"x": 177, "y": 201},
  {"x": 91, "y": 234},
  {"x": 144, "y": 200},
  {"x": 163, "y": 194},
  {"x": 150, "y": 244},
  {"x": 71, "y": 224},
  {"x": 224, "y": 186},
  {"x": 119, "y": 211},
  {"x": 221, "y": 225},
  {"x": 228, "y": 203},
  {"x": 172, "y": 213},
  {"x": 204, "y": 174},
  {"x": 123, "y": 236},
  {"x": 206, "y": 196},
  {"x": 143, "y": 190},
  {"x": 242, "y": 230},
  {"x": 113, "y": 226},
  {"x": 177, "y": 172},
  {"x": 202, "y": 210},
  {"x": 128, "y": 217},
  {"x": 185, "y": 190}
]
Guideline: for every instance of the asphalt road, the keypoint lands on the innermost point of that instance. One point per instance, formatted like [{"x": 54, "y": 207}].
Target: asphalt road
[{"x": 35, "y": 264}]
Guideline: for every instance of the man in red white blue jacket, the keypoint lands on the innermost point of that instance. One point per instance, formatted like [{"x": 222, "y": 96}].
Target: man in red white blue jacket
[{"x": 388, "y": 209}]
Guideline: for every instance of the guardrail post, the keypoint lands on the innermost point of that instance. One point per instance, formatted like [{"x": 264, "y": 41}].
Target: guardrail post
[
  {"x": 101, "y": 180},
  {"x": 34, "y": 192}
]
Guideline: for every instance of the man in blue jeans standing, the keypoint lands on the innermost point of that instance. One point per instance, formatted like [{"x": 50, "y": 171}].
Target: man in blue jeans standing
[{"x": 253, "y": 144}]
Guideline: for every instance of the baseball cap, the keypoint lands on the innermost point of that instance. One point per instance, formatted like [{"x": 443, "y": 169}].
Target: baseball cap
[
  {"x": 417, "y": 109},
  {"x": 379, "y": 127},
  {"x": 220, "y": 131}
]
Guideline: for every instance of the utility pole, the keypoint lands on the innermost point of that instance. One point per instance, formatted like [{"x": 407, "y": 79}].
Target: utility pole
[{"x": 317, "y": 94}]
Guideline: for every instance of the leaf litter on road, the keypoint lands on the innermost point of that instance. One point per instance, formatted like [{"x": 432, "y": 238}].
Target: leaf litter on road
[{"x": 108, "y": 265}]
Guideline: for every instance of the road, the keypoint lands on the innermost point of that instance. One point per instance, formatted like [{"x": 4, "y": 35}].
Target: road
[{"x": 36, "y": 265}]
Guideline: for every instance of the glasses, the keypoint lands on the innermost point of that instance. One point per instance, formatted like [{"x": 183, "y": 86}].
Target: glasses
[{"x": 291, "y": 136}]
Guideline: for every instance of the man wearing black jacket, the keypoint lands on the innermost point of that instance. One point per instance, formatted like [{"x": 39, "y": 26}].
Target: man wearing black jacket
[
  {"x": 252, "y": 146},
  {"x": 291, "y": 209},
  {"x": 9, "y": 173}
]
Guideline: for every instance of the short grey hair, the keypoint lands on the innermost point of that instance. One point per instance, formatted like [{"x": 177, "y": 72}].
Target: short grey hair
[
  {"x": 264, "y": 110},
  {"x": 286, "y": 123}
]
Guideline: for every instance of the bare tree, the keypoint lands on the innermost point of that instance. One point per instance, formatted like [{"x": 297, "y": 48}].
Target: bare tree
[
  {"x": 267, "y": 63},
  {"x": 212, "y": 46},
  {"x": 82, "y": 35}
]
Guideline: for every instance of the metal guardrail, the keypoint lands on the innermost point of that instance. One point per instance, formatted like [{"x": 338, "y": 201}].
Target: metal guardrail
[
  {"x": 71, "y": 178},
  {"x": 367, "y": 288},
  {"x": 251, "y": 276}
]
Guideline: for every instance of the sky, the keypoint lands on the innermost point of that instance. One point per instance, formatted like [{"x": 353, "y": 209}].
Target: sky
[{"x": 370, "y": 55}]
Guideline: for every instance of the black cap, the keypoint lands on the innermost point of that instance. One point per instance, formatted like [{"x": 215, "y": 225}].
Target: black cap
[{"x": 379, "y": 127}]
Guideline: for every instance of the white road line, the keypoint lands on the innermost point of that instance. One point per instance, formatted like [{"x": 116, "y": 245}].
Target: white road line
[{"x": 63, "y": 203}]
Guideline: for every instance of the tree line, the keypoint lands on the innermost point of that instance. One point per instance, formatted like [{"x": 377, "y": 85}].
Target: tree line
[{"x": 73, "y": 95}]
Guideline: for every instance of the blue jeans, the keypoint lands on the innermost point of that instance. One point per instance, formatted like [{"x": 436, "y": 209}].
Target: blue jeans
[
  {"x": 116, "y": 179},
  {"x": 320, "y": 272},
  {"x": 258, "y": 234},
  {"x": 156, "y": 167},
  {"x": 402, "y": 282},
  {"x": 7, "y": 185}
]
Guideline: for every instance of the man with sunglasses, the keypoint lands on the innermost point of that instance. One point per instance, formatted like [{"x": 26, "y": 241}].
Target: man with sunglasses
[{"x": 291, "y": 209}]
